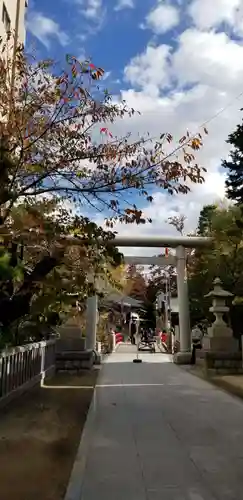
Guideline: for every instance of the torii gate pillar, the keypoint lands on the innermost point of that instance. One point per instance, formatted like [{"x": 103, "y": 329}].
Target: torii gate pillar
[
  {"x": 91, "y": 322},
  {"x": 184, "y": 356}
]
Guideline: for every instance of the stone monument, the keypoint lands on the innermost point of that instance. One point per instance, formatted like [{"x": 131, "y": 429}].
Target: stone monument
[
  {"x": 219, "y": 336},
  {"x": 70, "y": 332}
]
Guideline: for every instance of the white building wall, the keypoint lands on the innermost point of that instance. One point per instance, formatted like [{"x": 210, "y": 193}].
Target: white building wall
[{"x": 11, "y": 9}]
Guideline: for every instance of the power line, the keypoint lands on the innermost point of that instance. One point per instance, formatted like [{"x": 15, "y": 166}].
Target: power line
[{"x": 230, "y": 103}]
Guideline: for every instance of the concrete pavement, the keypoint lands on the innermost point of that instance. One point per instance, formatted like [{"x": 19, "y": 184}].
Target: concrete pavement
[{"x": 157, "y": 432}]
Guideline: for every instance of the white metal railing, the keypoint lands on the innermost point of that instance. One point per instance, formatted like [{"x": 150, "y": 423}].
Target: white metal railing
[{"x": 22, "y": 367}]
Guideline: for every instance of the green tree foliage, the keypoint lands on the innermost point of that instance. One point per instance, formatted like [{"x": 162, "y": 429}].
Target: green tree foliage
[
  {"x": 204, "y": 227},
  {"x": 224, "y": 259},
  {"x": 43, "y": 274},
  {"x": 234, "y": 181}
]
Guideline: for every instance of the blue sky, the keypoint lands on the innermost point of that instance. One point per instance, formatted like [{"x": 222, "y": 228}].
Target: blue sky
[
  {"x": 111, "y": 33},
  {"x": 110, "y": 37},
  {"x": 178, "y": 62}
]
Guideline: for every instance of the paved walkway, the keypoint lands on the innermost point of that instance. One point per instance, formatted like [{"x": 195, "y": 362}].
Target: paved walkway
[{"x": 159, "y": 433}]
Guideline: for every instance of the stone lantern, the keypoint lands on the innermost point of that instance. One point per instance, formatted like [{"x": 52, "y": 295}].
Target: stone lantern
[{"x": 220, "y": 335}]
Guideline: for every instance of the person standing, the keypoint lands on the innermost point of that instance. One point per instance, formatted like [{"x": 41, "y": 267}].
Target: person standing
[
  {"x": 133, "y": 331},
  {"x": 196, "y": 336},
  {"x": 164, "y": 338}
]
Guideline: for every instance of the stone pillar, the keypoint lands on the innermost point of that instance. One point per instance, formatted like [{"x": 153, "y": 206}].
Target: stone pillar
[
  {"x": 184, "y": 356},
  {"x": 177, "y": 333},
  {"x": 71, "y": 330},
  {"x": 91, "y": 321}
]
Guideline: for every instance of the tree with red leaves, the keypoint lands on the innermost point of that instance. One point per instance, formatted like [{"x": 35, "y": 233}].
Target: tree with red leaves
[{"x": 56, "y": 142}]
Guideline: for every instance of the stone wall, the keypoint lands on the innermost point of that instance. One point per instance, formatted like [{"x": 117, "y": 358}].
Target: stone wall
[
  {"x": 75, "y": 361},
  {"x": 70, "y": 344},
  {"x": 221, "y": 363},
  {"x": 72, "y": 355}
]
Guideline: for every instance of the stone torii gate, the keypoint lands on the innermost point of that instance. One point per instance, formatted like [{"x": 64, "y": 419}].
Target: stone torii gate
[{"x": 179, "y": 261}]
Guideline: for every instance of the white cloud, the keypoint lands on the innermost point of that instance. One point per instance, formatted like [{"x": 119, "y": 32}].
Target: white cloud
[
  {"x": 82, "y": 55},
  {"x": 93, "y": 9},
  {"x": 94, "y": 12},
  {"x": 162, "y": 18},
  {"x": 207, "y": 14},
  {"x": 149, "y": 70},
  {"x": 45, "y": 29},
  {"x": 209, "y": 57},
  {"x": 124, "y": 4},
  {"x": 106, "y": 76},
  {"x": 178, "y": 88}
]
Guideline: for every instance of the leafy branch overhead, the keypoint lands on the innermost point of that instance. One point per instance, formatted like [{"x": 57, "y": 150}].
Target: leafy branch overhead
[
  {"x": 37, "y": 271},
  {"x": 57, "y": 139}
]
